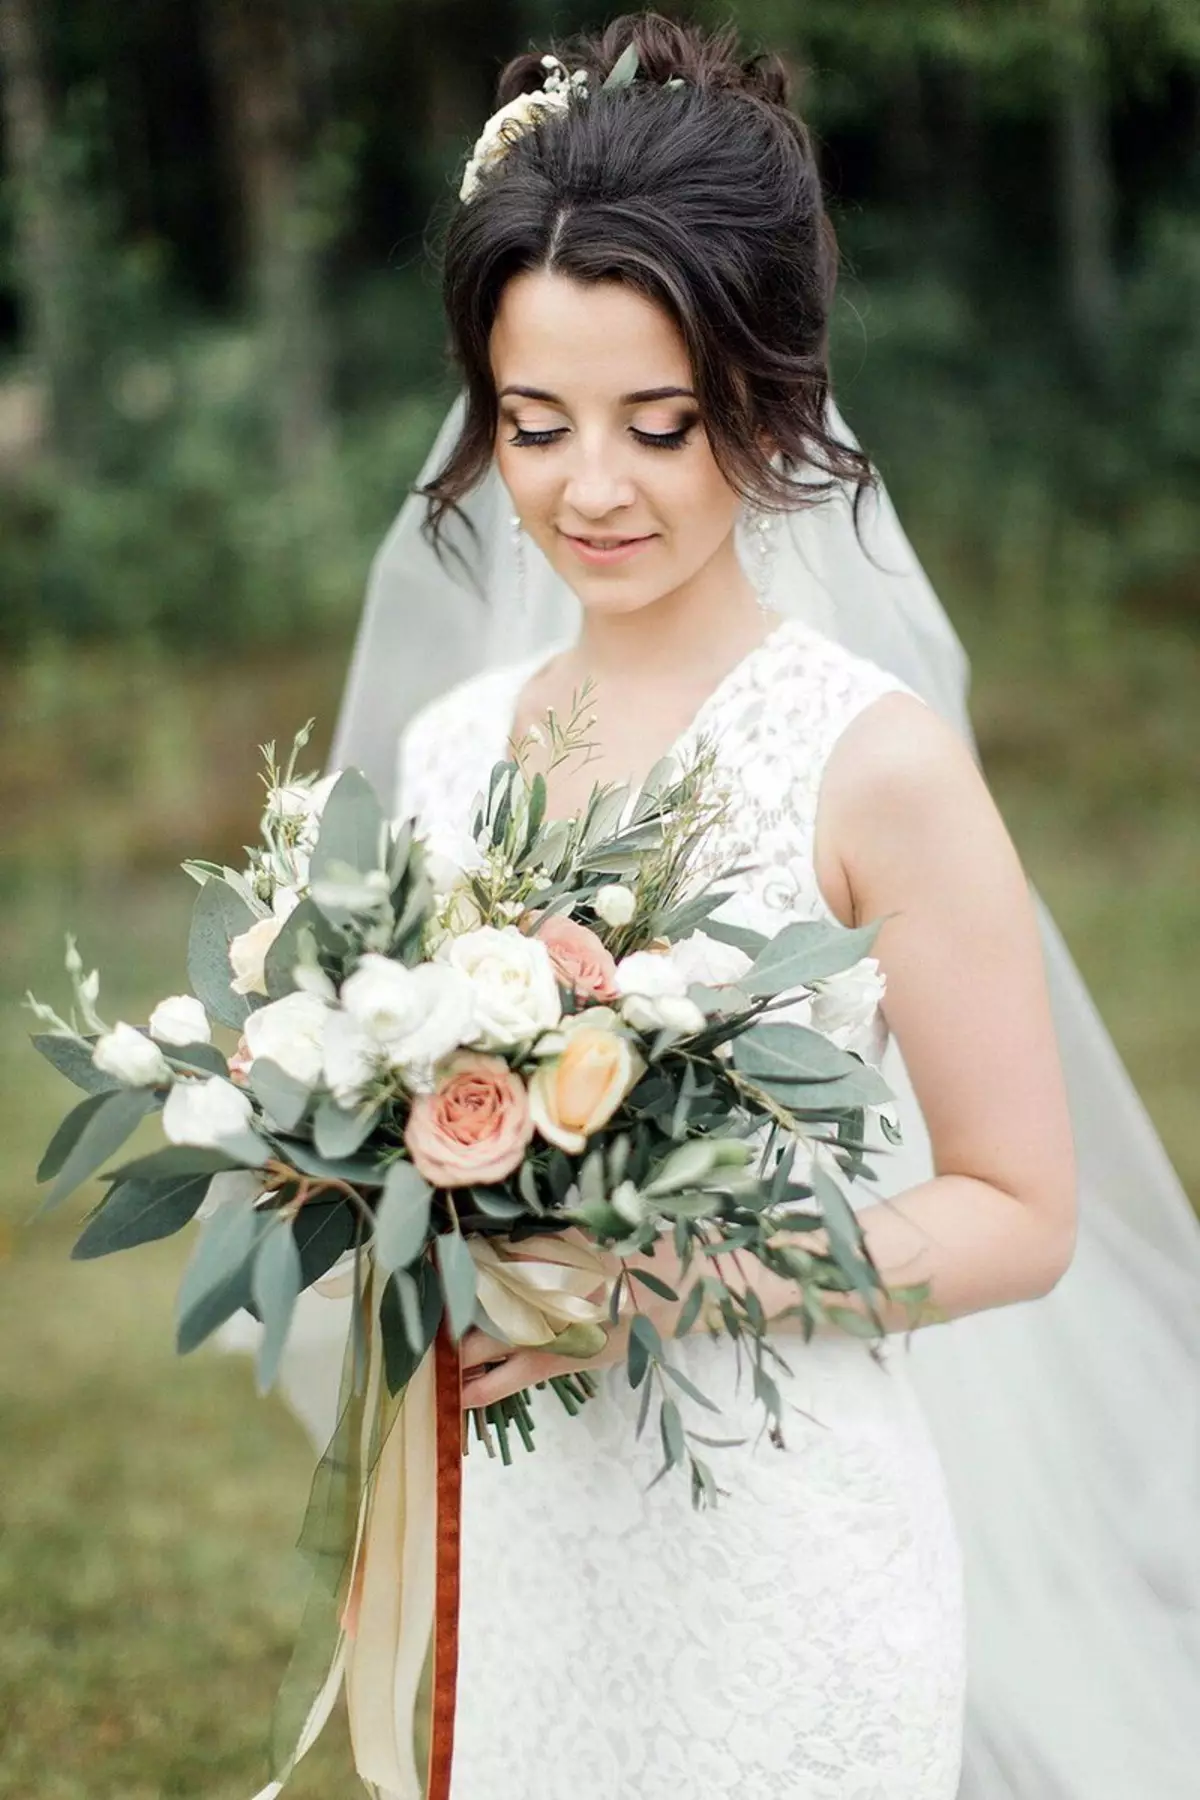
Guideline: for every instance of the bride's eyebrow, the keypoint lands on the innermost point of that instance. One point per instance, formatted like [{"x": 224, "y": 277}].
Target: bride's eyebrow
[{"x": 638, "y": 399}]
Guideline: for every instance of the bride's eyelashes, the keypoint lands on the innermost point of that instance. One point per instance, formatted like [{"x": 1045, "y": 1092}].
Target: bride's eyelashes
[{"x": 656, "y": 440}]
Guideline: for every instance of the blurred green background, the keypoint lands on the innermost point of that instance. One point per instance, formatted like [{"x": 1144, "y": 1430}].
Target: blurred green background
[{"x": 221, "y": 363}]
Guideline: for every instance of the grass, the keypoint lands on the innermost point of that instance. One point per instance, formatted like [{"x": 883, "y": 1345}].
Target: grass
[{"x": 150, "y": 1504}]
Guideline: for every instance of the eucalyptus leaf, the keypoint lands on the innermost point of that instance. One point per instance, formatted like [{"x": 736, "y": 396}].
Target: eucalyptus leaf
[
  {"x": 845, "y": 1235},
  {"x": 352, "y": 830},
  {"x": 204, "y": 1059},
  {"x": 671, "y": 1429},
  {"x": 401, "y": 1218},
  {"x": 140, "y": 1212},
  {"x": 338, "y": 1132},
  {"x": 456, "y": 1266},
  {"x": 98, "y": 1126},
  {"x": 73, "y": 1058},
  {"x": 400, "y": 1357},
  {"x": 790, "y": 1055},
  {"x": 324, "y": 1231},
  {"x": 359, "y": 1171},
  {"x": 218, "y": 917},
  {"x": 285, "y": 952},
  {"x": 216, "y": 1281},
  {"x": 278, "y": 1093},
  {"x": 172, "y": 1161},
  {"x": 275, "y": 1284},
  {"x": 811, "y": 950},
  {"x": 623, "y": 72}
]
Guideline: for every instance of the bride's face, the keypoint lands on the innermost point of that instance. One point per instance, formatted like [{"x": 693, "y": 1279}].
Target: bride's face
[{"x": 600, "y": 442}]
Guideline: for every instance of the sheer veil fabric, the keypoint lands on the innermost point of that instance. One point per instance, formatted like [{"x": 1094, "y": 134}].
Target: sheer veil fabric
[{"x": 1068, "y": 1427}]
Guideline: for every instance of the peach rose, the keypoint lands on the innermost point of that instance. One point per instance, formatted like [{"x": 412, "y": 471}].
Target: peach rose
[
  {"x": 239, "y": 1063},
  {"x": 573, "y": 1094},
  {"x": 474, "y": 1126},
  {"x": 580, "y": 960}
]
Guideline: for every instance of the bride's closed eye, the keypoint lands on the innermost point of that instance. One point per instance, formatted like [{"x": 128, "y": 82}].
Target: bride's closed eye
[{"x": 657, "y": 440}]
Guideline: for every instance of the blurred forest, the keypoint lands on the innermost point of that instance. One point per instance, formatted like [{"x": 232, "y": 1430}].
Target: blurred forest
[
  {"x": 221, "y": 364},
  {"x": 221, "y": 351}
]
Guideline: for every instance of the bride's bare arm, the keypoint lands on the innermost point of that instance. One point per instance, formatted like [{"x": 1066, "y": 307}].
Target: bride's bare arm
[{"x": 907, "y": 819}]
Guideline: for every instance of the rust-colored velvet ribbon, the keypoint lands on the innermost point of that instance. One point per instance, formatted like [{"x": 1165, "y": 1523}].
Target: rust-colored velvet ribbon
[{"x": 450, "y": 1419}]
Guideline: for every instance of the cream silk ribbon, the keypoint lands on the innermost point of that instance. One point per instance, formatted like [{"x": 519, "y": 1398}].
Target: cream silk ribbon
[{"x": 371, "y": 1524}]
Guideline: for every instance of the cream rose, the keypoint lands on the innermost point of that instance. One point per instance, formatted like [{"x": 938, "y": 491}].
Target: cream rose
[
  {"x": 475, "y": 1125},
  {"x": 581, "y": 963},
  {"x": 513, "y": 982},
  {"x": 572, "y": 1094},
  {"x": 510, "y": 121}
]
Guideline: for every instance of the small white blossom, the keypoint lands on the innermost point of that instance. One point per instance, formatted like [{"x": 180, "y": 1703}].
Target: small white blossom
[
  {"x": 614, "y": 903},
  {"x": 180, "y": 1020},
  {"x": 130, "y": 1056},
  {"x": 845, "y": 1005},
  {"x": 206, "y": 1113}
]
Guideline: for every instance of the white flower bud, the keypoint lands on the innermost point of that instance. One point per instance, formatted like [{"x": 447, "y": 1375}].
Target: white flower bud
[
  {"x": 206, "y": 1113},
  {"x": 180, "y": 1020},
  {"x": 614, "y": 903},
  {"x": 129, "y": 1055}
]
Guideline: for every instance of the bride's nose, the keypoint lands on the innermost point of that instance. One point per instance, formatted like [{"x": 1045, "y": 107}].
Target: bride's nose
[{"x": 596, "y": 486}]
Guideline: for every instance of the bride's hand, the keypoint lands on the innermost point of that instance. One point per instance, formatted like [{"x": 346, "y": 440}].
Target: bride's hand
[{"x": 491, "y": 1369}]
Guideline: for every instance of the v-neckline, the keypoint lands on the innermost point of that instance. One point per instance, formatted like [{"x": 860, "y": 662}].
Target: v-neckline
[{"x": 524, "y": 671}]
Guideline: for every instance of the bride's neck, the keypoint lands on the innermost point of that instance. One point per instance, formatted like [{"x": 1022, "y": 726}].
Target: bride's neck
[{"x": 703, "y": 626}]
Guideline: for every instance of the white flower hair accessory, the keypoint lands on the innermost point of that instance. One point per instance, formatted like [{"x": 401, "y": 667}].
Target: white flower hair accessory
[{"x": 518, "y": 116}]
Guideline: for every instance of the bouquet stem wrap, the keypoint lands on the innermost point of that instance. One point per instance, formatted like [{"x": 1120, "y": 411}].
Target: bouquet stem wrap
[
  {"x": 382, "y": 1534},
  {"x": 383, "y": 1524}
]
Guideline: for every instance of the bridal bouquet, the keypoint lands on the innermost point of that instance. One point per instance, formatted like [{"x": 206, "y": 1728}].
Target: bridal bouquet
[{"x": 465, "y": 1084}]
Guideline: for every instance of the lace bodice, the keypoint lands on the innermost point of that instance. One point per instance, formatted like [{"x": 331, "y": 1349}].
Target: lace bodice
[
  {"x": 805, "y": 1640},
  {"x": 774, "y": 718}
]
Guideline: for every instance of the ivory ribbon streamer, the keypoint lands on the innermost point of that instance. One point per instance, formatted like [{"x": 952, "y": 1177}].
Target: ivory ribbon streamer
[{"x": 383, "y": 1525}]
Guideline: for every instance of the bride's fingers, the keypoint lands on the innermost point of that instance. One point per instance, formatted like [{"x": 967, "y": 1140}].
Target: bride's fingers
[{"x": 477, "y": 1348}]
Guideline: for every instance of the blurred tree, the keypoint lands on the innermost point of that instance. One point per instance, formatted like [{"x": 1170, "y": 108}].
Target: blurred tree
[
  {"x": 257, "y": 60},
  {"x": 41, "y": 223}
]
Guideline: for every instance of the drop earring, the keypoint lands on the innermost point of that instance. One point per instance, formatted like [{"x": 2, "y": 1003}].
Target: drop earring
[
  {"x": 762, "y": 529},
  {"x": 518, "y": 544}
]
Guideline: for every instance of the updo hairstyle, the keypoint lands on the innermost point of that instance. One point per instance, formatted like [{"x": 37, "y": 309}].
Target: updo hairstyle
[{"x": 703, "y": 196}]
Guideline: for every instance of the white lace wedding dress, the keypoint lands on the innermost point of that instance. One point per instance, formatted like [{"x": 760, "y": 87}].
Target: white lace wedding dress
[{"x": 805, "y": 1639}]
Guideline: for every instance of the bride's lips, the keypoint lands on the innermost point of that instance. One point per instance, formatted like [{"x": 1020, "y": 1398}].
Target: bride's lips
[{"x": 601, "y": 554}]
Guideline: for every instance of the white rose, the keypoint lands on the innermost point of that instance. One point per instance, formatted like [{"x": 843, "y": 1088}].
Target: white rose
[
  {"x": 232, "y": 1187},
  {"x": 663, "y": 1012},
  {"x": 708, "y": 961},
  {"x": 180, "y": 1020},
  {"x": 513, "y": 982},
  {"x": 845, "y": 1005},
  {"x": 129, "y": 1055},
  {"x": 614, "y": 903},
  {"x": 652, "y": 974},
  {"x": 352, "y": 1058},
  {"x": 416, "y": 1016},
  {"x": 206, "y": 1113},
  {"x": 290, "y": 1032}
]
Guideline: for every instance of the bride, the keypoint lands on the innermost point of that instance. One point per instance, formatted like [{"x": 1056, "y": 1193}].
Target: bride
[{"x": 637, "y": 285}]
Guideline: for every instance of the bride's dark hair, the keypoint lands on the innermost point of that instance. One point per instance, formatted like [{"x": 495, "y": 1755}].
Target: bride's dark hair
[{"x": 705, "y": 197}]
